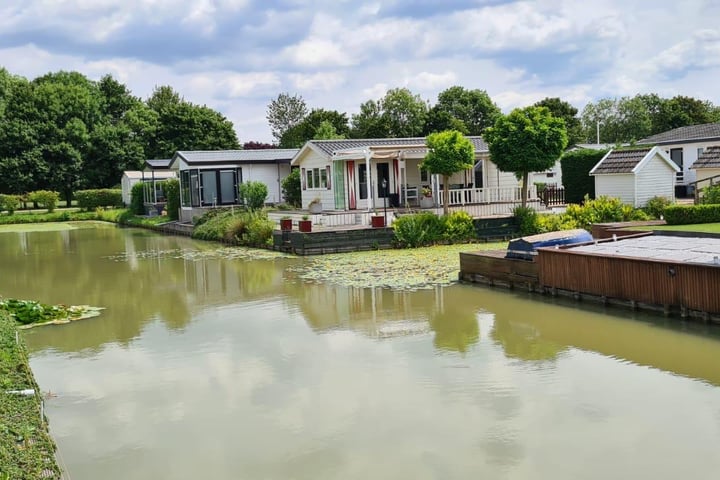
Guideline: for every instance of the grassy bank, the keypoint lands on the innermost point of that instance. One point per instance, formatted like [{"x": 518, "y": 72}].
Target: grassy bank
[
  {"x": 116, "y": 215},
  {"x": 26, "y": 449}
]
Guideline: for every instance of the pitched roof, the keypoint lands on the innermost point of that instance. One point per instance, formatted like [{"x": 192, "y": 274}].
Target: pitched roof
[
  {"x": 620, "y": 161},
  {"x": 330, "y": 146},
  {"x": 692, "y": 133},
  {"x": 203, "y": 157},
  {"x": 710, "y": 158},
  {"x": 158, "y": 163}
]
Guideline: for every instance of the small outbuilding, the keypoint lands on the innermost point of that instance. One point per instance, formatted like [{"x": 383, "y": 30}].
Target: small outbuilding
[{"x": 635, "y": 175}]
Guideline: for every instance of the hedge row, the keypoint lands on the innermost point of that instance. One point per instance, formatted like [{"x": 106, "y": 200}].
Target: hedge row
[
  {"x": 26, "y": 449},
  {"x": 104, "y": 197},
  {"x": 692, "y": 214},
  {"x": 576, "y": 166}
]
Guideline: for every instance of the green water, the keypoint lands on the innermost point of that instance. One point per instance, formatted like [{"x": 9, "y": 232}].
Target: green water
[{"x": 204, "y": 367}]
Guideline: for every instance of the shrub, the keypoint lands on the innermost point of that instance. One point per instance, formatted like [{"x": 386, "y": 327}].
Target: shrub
[
  {"x": 554, "y": 222},
  {"x": 291, "y": 188},
  {"x": 527, "y": 220},
  {"x": 458, "y": 227},
  {"x": 171, "y": 188},
  {"x": 417, "y": 230},
  {"x": 691, "y": 214},
  {"x": 9, "y": 203},
  {"x": 259, "y": 230},
  {"x": 45, "y": 198},
  {"x": 576, "y": 166},
  {"x": 253, "y": 194},
  {"x": 213, "y": 225},
  {"x": 655, "y": 207},
  {"x": 711, "y": 195},
  {"x": 601, "y": 210},
  {"x": 137, "y": 199},
  {"x": 91, "y": 199}
]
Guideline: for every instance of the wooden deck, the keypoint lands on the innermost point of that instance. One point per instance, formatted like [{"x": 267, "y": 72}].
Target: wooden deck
[{"x": 492, "y": 268}]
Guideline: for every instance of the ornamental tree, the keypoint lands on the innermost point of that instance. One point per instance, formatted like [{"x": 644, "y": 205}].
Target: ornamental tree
[
  {"x": 526, "y": 140},
  {"x": 449, "y": 152}
]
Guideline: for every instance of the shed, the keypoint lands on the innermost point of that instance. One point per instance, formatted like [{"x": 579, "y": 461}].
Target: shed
[
  {"x": 635, "y": 175},
  {"x": 131, "y": 177}
]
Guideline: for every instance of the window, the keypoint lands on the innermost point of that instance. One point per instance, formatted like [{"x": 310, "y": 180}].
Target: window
[
  {"x": 700, "y": 151},
  {"x": 424, "y": 176},
  {"x": 362, "y": 181},
  {"x": 185, "y": 188},
  {"x": 209, "y": 188},
  {"x": 316, "y": 178},
  {"x": 228, "y": 187}
]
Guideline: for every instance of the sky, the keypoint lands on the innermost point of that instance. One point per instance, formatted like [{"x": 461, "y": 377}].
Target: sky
[{"x": 237, "y": 55}]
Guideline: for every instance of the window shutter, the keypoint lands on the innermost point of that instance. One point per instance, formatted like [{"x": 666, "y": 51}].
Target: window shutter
[
  {"x": 302, "y": 178},
  {"x": 327, "y": 175}
]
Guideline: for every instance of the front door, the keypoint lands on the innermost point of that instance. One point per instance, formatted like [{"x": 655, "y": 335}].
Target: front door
[
  {"x": 383, "y": 179},
  {"x": 676, "y": 154}
]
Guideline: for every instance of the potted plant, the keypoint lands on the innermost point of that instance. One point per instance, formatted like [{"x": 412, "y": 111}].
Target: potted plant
[
  {"x": 377, "y": 220},
  {"x": 285, "y": 223},
  {"x": 426, "y": 200},
  {"x": 315, "y": 205},
  {"x": 305, "y": 225}
]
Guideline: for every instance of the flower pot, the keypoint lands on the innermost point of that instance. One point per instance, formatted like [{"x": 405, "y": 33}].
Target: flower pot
[
  {"x": 426, "y": 202},
  {"x": 305, "y": 226},
  {"x": 315, "y": 208},
  {"x": 377, "y": 221},
  {"x": 285, "y": 224}
]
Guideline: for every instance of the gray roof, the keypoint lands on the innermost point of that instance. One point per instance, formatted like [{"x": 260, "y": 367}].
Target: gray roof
[
  {"x": 158, "y": 163},
  {"x": 621, "y": 161},
  {"x": 710, "y": 158},
  {"x": 693, "y": 133},
  {"x": 330, "y": 146},
  {"x": 204, "y": 157}
]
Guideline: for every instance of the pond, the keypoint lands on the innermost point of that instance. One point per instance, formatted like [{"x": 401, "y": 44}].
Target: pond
[{"x": 213, "y": 364}]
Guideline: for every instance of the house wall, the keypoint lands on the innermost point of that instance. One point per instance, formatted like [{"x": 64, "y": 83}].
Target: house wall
[
  {"x": 548, "y": 177},
  {"x": 269, "y": 174},
  {"x": 312, "y": 159},
  {"x": 126, "y": 184},
  {"x": 621, "y": 186},
  {"x": 655, "y": 179},
  {"x": 705, "y": 173},
  {"x": 690, "y": 155},
  {"x": 496, "y": 178}
]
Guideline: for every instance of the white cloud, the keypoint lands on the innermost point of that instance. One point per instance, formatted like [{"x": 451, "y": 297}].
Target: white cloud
[
  {"x": 431, "y": 81},
  {"x": 323, "y": 81}
]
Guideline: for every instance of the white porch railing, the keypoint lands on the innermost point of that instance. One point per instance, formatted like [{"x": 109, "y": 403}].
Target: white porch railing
[{"x": 465, "y": 196}]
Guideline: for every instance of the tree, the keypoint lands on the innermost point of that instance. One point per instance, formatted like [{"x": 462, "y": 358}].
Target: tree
[
  {"x": 295, "y": 137},
  {"x": 682, "y": 111},
  {"x": 449, "y": 152},
  {"x": 327, "y": 131},
  {"x": 284, "y": 112},
  {"x": 527, "y": 140},
  {"x": 253, "y": 145},
  {"x": 562, "y": 109},
  {"x": 291, "y": 188},
  {"x": 400, "y": 113},
  {"x": 621, "y": 120},
  {"x": 473, "y": 108}
]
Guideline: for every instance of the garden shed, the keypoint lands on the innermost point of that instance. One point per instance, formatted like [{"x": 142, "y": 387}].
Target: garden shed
[{"x": 635, "y": 175}]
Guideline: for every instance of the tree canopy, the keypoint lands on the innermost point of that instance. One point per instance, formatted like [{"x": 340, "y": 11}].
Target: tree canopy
[
  {"x": 400, "y": 113},
  {"x": 449, "y": 152},
  {"x": 468, "y": 111},
  {"x": 284, "y": 112},
  {"x": 526, "y": 140},
  {"x": 562, "y": 109},
  {"x": 307, "y": 129}
]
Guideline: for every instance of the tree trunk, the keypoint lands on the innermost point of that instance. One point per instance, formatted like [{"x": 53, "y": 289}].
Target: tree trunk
[
  {"x": 446, "y": 194},
  {"x": 523, "y": 193}
]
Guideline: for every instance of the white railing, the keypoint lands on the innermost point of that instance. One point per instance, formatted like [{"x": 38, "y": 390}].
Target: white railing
[{"x": 466, "y": 196}]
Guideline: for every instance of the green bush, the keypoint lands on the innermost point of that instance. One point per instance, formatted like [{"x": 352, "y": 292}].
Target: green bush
[
  {"x": 458, "y": 227},
  {"x": 692, "y": 214},
  {"x": 655, "y": 207},
  {"x": 213, "y": 225},
  {"x": 259, "y": 230},
  {"x": 418, "y": 229},
  {"x": 527, "y": 220},
  {"x": 602, "y": 210},
  {"x": 137, "y": 199},
  {"x": 45, "y": 198},
  {"x": 711, "y": 195},
  {"x": 253, "y": 194},
  {"x": 576, "y": 166},
  {"x": 9, "y": 203},
  {"x": 171, "y": 188},
  {"x": 105, "y": 197},
  {"x": 252, "y": 228},
  {"x": 555, "y": 222},
  {"x": 291, "y": 188}
]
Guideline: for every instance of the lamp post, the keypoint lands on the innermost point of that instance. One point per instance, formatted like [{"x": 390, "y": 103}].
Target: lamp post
[{"x": 384, "y": 185}]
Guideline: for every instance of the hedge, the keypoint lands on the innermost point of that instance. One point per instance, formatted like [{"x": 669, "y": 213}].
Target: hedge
[
  {"x": 104, "y": 197},
  {"x": 171, "y": 187},
  {"x": 575, "y": 167},
  {"x": 9, "y": 203},
  {"x": 692, "y": 214}
]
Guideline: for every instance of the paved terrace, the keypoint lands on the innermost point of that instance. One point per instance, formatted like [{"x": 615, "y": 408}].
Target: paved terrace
[{"x": 658, "y": 247}]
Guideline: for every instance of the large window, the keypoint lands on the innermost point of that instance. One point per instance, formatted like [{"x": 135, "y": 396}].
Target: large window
[
  {"x": 185, "y": 188},
  {"x": 208, "y": 188},
  {"x": 362, "y": 181},
  {"x": 316, "y": 178}
]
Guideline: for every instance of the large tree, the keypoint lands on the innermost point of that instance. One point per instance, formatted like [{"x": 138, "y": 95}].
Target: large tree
[
  {"x": 284, "y": 112},
  {"x": 562, "y": 109},
  {"x": 526, "y": 140},
  {"x": 449, "y": 152},
  {"x": 620, "y": 120},
  {"x": 458, "y": 106},
  {"x": 400, "y": 113},
  {"x": 307, "y": 129}
]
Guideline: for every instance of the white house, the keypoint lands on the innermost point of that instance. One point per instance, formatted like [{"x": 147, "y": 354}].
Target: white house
[
  {"x": 131, "y": 177},
  {"x": 707, "y": 167},
  {"x": 636, "y": 175},
  {"x": 359, "y": 174},
  {"x": 684, "y": 145},
  {"x": 211, "y": 178}
]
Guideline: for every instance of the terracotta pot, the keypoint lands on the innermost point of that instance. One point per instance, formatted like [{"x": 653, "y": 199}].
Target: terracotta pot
[
  {"x": 305, "y": 226},
  {"x": 286, "y": 224},
  {"x": 377, "y": 221}
]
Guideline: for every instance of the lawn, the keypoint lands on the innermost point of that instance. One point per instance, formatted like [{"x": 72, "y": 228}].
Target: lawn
[{"x": 701, "y": 227}]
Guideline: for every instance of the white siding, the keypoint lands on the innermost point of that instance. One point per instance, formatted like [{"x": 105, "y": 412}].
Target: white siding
[
  {"x": 704, "y": 173},
  {"x": 126, "y": 184},
  {"x": 621, "y": 186},
  {"x": 269, "y": 174},
  {"x": 496, "y": 178},
  {"x": 690, "y": 155},
  {"x": 549, "y": 177},
  {"x": 314, "y": 160},
  {"x": 656, "y": 178}
]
